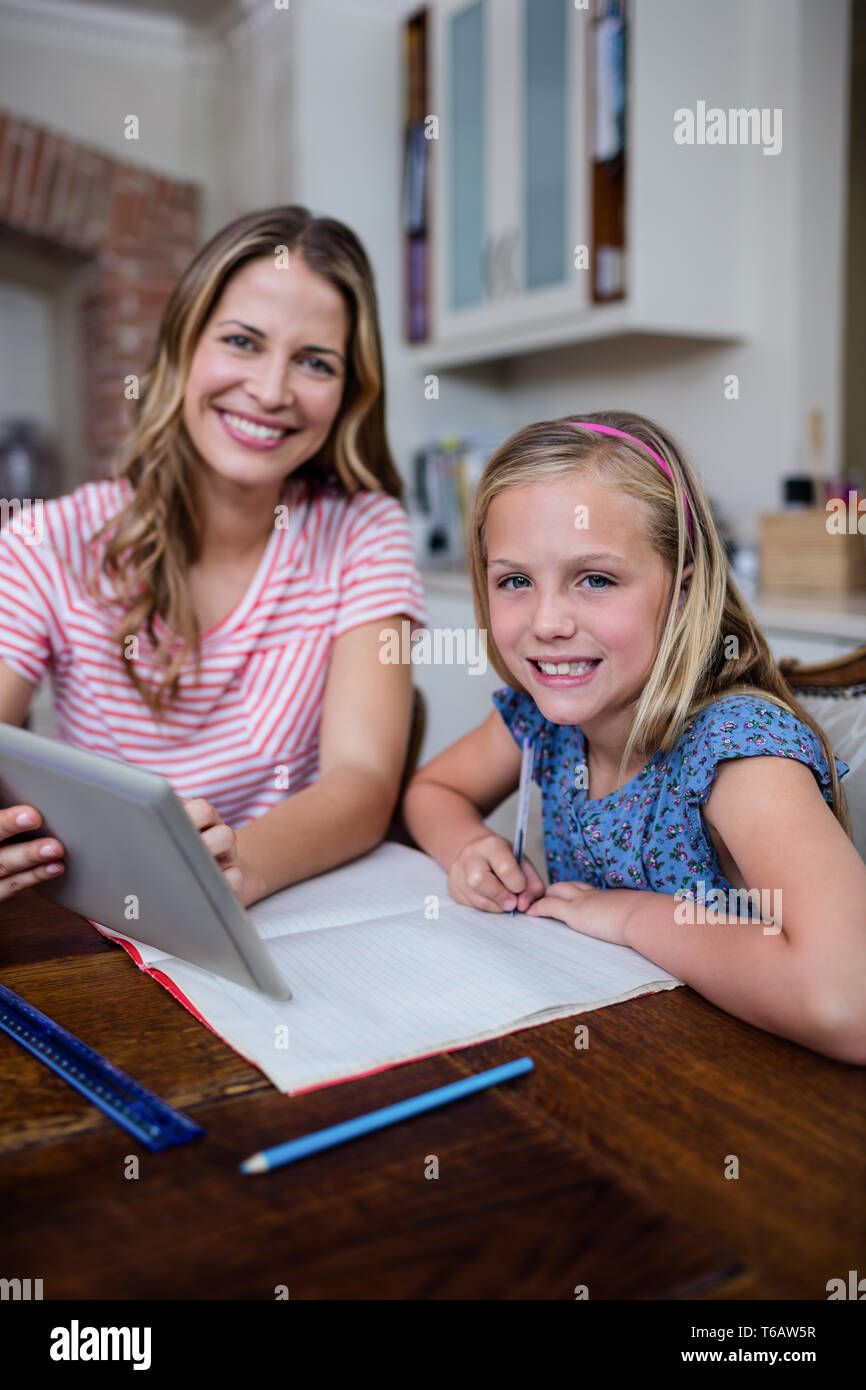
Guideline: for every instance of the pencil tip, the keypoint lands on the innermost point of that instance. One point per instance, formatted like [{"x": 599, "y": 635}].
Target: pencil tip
[{"x": 255, "y": 1164}]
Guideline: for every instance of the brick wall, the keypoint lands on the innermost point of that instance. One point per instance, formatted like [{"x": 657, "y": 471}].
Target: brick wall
[{"x": 130, "y": 231}]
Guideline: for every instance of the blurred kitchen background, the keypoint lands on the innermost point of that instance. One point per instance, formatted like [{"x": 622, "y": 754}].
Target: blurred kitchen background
[{"x": 474, "y": 146}]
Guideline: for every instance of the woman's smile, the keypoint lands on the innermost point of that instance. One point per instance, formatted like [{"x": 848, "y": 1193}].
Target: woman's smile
[{"x": 253, "y": 436}]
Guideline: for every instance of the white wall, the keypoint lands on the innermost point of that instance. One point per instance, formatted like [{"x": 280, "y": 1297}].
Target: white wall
[
  {"x": 255, "y": 124},
  {"x": 40, "y": 356},
  {"x": 821, "y": 221},
  {"x": 81, "y": 69},
  {"x": 855, "y": 325},
  {"x": 27, "y": 359}
]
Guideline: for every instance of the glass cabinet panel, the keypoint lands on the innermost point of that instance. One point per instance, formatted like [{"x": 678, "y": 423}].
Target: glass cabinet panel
[
  {"x": 466, "y": 155},
  {"x": 545, "y": 47}
]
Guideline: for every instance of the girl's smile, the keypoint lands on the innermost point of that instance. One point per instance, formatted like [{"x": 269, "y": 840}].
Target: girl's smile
[{"x": 562, "y": 673}]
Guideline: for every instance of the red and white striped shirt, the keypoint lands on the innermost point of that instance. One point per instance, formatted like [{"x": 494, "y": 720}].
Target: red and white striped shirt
[{"x": 246, "y": 736}]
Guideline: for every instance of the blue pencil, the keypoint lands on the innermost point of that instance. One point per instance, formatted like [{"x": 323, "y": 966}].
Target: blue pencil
[{"x": 378, "y": 1119}]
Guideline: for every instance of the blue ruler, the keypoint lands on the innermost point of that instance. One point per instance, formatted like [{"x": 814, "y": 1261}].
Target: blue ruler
[{"x": 138, "y": 1110}]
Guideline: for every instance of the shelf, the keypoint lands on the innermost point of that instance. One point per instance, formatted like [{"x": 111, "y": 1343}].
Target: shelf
[{"x": 602, "y": 322}]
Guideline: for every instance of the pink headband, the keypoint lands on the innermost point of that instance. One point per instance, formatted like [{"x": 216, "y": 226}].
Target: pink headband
[{"x": 608, "y": 429}]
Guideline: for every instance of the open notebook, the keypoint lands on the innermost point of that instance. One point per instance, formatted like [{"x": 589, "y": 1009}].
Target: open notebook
[{"x": 378, "y": 979}]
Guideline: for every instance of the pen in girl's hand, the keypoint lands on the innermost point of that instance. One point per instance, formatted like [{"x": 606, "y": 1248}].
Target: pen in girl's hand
[{"x": 523, "y": 801}]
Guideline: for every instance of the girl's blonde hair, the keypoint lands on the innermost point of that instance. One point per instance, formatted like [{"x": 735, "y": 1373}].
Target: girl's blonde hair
[
  {"x": 158, "y": 534},
  {"x": 692, "y": 668}
]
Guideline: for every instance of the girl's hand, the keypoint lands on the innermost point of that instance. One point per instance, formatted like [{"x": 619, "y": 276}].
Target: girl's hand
[
  {"x": 486, "y": 875},
  {"x": 25, "y": 864},
  {"x": 598, "y": 912},
  {"x": 222, "y": 842}
]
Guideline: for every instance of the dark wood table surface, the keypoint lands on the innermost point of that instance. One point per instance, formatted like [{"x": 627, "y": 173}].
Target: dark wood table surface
[{"x": 605, "y": 1167}]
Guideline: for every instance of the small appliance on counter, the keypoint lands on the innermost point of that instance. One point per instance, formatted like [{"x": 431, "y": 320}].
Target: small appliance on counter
[
  {"x": 446, "y": 475},
  {"x": 28, "y": 464},
  {"x": 815, "y": 545}
]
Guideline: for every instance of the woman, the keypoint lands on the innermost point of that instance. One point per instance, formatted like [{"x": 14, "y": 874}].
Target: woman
[{"x": 214, "y": 612}]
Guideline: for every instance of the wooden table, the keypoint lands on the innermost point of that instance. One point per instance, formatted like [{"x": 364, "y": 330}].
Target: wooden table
[{"x": 605, "y": 1167}]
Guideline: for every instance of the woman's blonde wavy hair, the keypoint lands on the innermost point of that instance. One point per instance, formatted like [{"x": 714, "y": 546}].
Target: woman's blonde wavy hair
[
  {"x": 692, "y": 668},
  {"x": 158, "y": 534}
]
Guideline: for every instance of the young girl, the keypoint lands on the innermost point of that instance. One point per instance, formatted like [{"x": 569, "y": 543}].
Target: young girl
[{"x": 672, "y": 757}]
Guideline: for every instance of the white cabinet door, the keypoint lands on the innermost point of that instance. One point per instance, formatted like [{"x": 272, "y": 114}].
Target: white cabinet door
[
  {"x": 511, "y": 170},
  {"x": 552, "y": 161},
  {"x": 474, "y": 179}
]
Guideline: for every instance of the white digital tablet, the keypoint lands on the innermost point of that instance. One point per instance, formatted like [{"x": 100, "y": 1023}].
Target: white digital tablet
[{"x": 128, "y": 840}]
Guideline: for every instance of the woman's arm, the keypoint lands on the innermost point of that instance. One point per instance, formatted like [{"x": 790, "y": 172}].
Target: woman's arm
[
  {"x": 808, "y": 981},
  {"x": 363, "y": 741},
  {"x": 16, "y": 696}
]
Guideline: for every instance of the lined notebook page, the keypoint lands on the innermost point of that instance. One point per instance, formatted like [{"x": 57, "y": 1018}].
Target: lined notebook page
[
  {"x": 396, "y": 879},
  {"x": 376, "y": 982},
  {"x": 392, "y": 879}
]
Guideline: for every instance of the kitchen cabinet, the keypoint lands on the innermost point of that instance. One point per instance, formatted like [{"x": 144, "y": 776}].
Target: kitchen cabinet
[{"x": 511, "y": 185}]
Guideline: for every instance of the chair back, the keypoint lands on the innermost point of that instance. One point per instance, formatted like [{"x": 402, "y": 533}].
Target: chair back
[{"x": 834, "y": 693}]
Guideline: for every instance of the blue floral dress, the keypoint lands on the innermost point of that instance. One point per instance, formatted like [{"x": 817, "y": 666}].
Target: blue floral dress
[{"x": 649, "y": 834}]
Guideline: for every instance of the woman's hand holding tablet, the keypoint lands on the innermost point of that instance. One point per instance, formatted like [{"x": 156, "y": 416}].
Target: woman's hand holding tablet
[
  {"x": 30, "y": 862},
  {"x": 222, "y": 842},
  {"x": 23, "y": 865}
]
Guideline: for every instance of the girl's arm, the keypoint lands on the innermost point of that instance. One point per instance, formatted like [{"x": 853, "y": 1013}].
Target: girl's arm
[
  {"x": 808, "y": 981},
  {"x": 363, "y": 740},
  {"x": 447, "y": 800}
]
